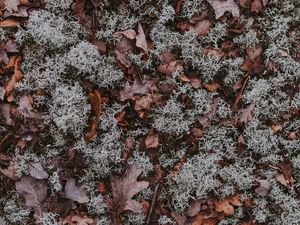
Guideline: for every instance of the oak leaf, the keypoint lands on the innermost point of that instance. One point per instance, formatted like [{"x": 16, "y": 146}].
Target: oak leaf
[{"x": 123, "y": 189}]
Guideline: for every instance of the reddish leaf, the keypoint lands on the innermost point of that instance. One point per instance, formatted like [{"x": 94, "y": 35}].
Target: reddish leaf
[
  {"x": 202, "y": 27},
  {"x": 152, "y": 141},
  {"x": 123, "y": 189},
  {"x": 95, "y": 100},
  {"x": 137, "y": 88}
]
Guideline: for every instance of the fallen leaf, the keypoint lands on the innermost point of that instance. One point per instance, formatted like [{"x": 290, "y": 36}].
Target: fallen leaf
[
  {"x": 143, "y": 102},
  {"x": 37, "y": 171},
  {"x": 202, "y": 27},
  {"x": 264, "y": 188},
  {"x": 180, "y": 219},
  {"x": 276, "y": 127},
  {"x": 258, "y": 5},
  {"x": 138, "y": 87},
  {"x": 220, "y": 7},
  {"x": 123, "y": 189},
  {"x": 212, "y": 87},
  {"x": 171, "y": 67},
  {"x": 141, "y": 41},
  {"x": 286, "y": 170},
  {"x": 17, "y": 76},
  {"x": 245, "y": 114},
  {"x": 75, "y": 193},
  {"x": 34, "y": 192},
  {"x": 10, "y": 172},
  {"x": 78, "y": 8},
  {"x": 11, "y": 5},
  {"x": 130, "y": 33},
  {"x": 152, "y": 141},
  {"x": 95, "y": 100},
  {"x": 82, "y": 220},
  {"x": 9, "y": 22},
  {"x": 122, "y": 49},
  {"x": 226, "y": 205},
  {"x": 59, "y": 205}
]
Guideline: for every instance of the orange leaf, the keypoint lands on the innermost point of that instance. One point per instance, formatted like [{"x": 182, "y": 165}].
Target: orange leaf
[
  {"x": 8, "y": 22},
  {"x": 95, "y": 100},
  {"x": 152, "y": 141},
  {"x": 18, "y": 75}
]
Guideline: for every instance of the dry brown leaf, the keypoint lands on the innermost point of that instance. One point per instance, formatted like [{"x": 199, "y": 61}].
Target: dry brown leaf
[
  {"x": 258, "y": 5},
  {"x": 202, "y": 27},
  {"x": 245, "y": 114},
  {"x": 264, "y": 188},
  {"x": 276, "y": 127},
  {"x": 95, "y": 100},
  {"x": 10, "y": 172},
  {"x": 152, "y": 141},
  {"x": 12, "y": 5},
  {"x": 17, "y": 76},
  {"x": 123, "y": 189},
  {"x": 122, "y": 49},
  {"x": 212, "y": 87},
  {"x": 82, "y": 220},
  {"x": 226, "y": 205},
  {"x": 34, "y": 192},
  {"x": 171, "y": 67},
  {"x": 37, "y": 171},
  {"x": 146, "y": 86},
  {"x": 141, "y": 41},
  {"x": 9, "y": 22},
  {"x": 75, "y": 193},
  {"x": 130, "y": 33},
  {"x": 285, "y": 177},
  {"x": 143, "y": 102},
  {"x": 220, "y": 7}
]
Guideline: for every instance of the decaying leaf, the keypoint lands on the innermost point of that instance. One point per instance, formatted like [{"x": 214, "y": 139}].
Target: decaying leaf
[
  {"x": 17, "y": 76},
  {"x": 138, "y": 87},
  {"x": 226, "y": 205},
  {"x": 152, "y": 141},
  {"x": 11, "y": 5},
  {"x": 37, "y": 171},
  {"x": 220, "y": 7},
  {"x": 264, "y": 188},
  {"x": 75, "y": 193},
  {"x": 141, "y": 41},
  {"x": 245, "y": 114},
  {"x": 130, "y": 33},
  {"x": 202, "y": 27},
  {"x": 9, "y": 22},
  {"x": 34, "y": 192},
  {"x": 123, "y": 189},
  {"x": 10, "y": 172},
  {"x": 171, "y": 67},
  {"x": 95, "y": 100},
  {"x": 285, "y": 176}
]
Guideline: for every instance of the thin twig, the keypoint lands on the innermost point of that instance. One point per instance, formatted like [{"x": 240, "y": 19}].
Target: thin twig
[{"x": 153, "y": 203}]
